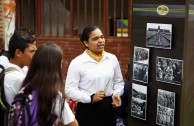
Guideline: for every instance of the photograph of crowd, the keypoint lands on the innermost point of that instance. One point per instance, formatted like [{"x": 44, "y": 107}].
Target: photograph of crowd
[
  {"x": 159, "y": 35},
  {"x": 165, "y": 108},
  {"x": 141, "y": 55},
  {"x": 140, "y": 64},
  {"x": 139, "y": 101},
  {"x": 140, "y": 72},
  {"x": 169, "y": 70}
]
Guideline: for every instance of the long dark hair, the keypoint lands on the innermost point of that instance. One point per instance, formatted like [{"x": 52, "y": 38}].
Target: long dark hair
[{"x": 45, "y": 76}]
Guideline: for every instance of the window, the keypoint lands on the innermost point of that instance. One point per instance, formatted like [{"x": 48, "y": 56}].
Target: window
[{"x": 69, "y": 17}]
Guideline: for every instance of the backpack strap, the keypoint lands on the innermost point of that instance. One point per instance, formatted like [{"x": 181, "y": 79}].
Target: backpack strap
[
  {"x": 26, "y": 119},
  {"x": 10, "y": 69},
  {"x": 1, "y": 70},
  {"x": 29, "y": 114},
  {"x": 4, "y": 71}
]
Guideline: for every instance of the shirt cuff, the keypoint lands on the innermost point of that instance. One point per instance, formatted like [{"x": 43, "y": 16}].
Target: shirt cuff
[{"x": 92, "y": 98}]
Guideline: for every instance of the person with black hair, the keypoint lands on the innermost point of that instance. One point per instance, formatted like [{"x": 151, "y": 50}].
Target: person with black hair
[
  {"x": 22, "y": 46},
  {"x": 95, "y": 81},
  {"x": 44, "y": 83}
]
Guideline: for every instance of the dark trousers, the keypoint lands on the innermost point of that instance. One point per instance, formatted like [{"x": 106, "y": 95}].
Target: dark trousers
[
  {"x": 4, "y": 117},
  {"x": 100, "y": 113}
]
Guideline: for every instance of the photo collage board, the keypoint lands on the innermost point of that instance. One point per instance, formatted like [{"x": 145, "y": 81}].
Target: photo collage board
[{"x": 169, "y": 70}]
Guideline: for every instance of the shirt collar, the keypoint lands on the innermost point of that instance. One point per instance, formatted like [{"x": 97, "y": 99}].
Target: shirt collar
[{"x": 87, "y": 58}]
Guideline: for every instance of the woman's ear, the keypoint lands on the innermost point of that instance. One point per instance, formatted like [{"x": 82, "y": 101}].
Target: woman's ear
[{"x": 85, "y": 43}]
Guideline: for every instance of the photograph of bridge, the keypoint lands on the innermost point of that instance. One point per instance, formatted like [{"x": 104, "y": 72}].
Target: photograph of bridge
[{"x": 159, "y": 35}]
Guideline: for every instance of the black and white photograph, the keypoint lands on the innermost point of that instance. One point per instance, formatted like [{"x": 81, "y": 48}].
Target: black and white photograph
[
  {"x": 169, "y": 70},
  {"x": 140, "y": 64},
  {"x": 141, "y": 55},
  {"x": 165, "y": 108},
  {"x": 140, "y": 72},
  {"x": 139, "y": 101},
  {"x": 159, "y": 35}
]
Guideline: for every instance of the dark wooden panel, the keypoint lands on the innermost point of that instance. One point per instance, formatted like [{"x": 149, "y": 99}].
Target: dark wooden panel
[{"x": 138, "y": 36}]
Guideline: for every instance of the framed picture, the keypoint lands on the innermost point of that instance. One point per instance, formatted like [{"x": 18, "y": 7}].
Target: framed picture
[
  {"x": 141, "y": 55},
  {"x": 140, "y": 64},
  {"x": 139, "y": 101},
  {"x": 169, "y": 70},
  {"x": 159, "y": 35},
  {"x": 165, "y": 108}
]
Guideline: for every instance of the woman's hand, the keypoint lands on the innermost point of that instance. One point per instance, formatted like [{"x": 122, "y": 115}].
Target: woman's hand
[
  {"x": 74, "y": 123},
  {"x": 98, "y": 96},
  {"x": 116, "y": 101}
]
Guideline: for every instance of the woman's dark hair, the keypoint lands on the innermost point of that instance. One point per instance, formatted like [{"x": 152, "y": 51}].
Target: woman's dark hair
[
  {"x": 84, "y": 36},
  {"x": 45, "y": 76},
  {"x": 20, "y": 39}
]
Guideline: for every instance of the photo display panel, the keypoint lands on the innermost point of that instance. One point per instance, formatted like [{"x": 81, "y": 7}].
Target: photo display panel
[{"x": 159, "y": 31}]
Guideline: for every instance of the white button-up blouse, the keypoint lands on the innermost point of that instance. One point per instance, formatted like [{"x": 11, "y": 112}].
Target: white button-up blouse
[{"x": 86, "y": 76}]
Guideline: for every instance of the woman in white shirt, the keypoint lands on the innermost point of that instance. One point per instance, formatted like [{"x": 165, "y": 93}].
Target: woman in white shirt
[{"x": 95, "y": 81}]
